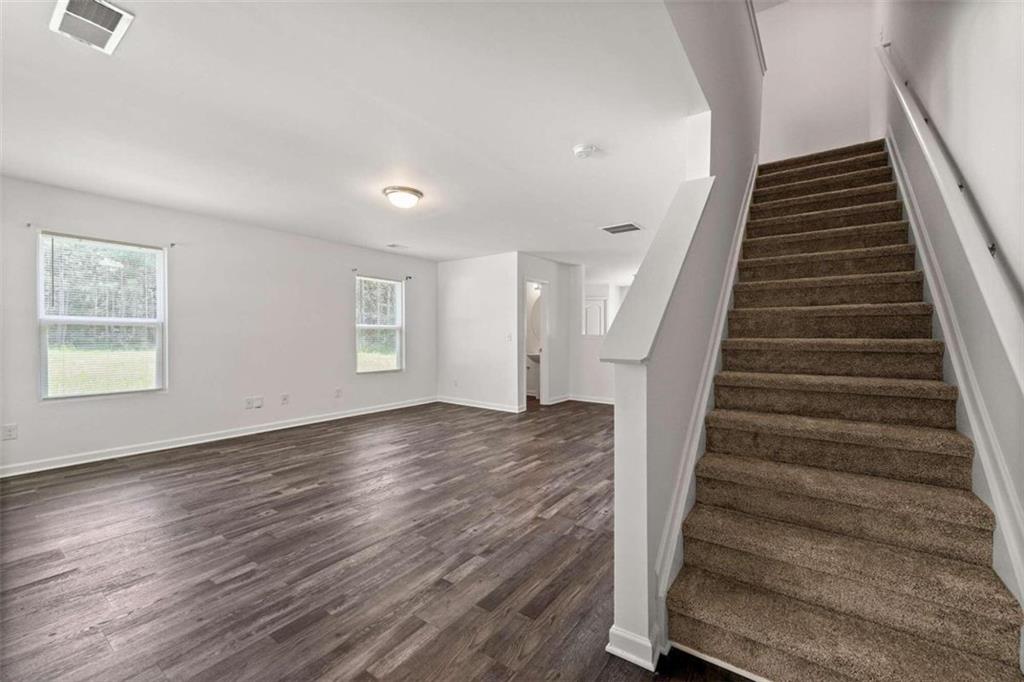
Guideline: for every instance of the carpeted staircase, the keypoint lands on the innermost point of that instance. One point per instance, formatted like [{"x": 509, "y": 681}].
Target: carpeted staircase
[{"x": 835, "y": 535}]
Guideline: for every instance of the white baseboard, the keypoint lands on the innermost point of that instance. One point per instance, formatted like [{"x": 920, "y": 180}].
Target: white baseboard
[
  {"x": 196, "y": 439},
  {"x": 554, "y": 400},
  {"x": 632, "y": 647},
  {"x": 62, "y": 461},
  {"x": 1006, "y": 501},
  {"x": 465, "y": 402},
  {"x": 603, "y": 400},
  {"x": 669, "y": 557},
  {"x": 720, "y": 663}
]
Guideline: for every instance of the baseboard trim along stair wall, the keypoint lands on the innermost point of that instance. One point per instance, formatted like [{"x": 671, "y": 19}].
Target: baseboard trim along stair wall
[{"x": 669, "y": 558}]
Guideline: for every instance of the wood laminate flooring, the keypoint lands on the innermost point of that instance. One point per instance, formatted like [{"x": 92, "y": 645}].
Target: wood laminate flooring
[{"x": 429, "y": 543}]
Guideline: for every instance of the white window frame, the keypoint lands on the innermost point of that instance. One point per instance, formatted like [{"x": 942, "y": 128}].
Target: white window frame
[
  {"x": 45, "y": 320},
  {"x": 400, "y": 327}
]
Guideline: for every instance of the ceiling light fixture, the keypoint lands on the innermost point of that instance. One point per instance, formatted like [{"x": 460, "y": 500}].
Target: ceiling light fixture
[
  {"x": 585, "y": 151},
  {"x": 403, "y": 197}
]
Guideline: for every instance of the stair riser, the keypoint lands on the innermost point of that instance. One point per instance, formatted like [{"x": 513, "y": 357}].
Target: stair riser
[
  {"x": 826, "y": 156},
  {"x": 889, "y": 365},
  {"x": 904, "y": 465},
  {"x": 774, "y": 325},
  {"x": 861, "y": 239},
  {"x": 768, "y": 297},
  {"x": 942, "y": 625},
  {"x": 865, "y": 178},
  {"x": 791, "y": 225},
  {"x": 935, "y": 413},
  {"x": 821, "y": 171},
  {"x": 760, "y": 211},
  {"x": 920, "y": 533},
  {"x": 828, "y": 268},
  {"x": 744, "y": 653}
]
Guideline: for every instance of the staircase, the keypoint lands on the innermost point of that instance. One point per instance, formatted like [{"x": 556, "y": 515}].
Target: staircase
[{"x": 835, "y": 535}]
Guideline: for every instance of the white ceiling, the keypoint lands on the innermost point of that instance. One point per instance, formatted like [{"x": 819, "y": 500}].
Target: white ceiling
[{"x": 295, "y": 115}]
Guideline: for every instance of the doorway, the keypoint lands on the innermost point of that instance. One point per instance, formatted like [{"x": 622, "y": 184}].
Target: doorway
[{"x": 535, "y": 325}]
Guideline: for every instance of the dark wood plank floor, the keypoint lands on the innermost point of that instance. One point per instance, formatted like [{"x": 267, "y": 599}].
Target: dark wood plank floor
[{"x": 435, "y": 542}]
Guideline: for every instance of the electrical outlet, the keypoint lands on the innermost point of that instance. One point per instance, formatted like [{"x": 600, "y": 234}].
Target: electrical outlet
[
  {"x": 337, "y": 393},
  {"x": 455, "y": 383},
  {"x": 285, "y": 398},
  {"x": 249, "y": 403},
  {"x": 257, "y": 402},
  {"x": 10, "y": 432}
]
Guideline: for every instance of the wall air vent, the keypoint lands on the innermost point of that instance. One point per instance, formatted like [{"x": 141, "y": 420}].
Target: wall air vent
[
  {"x": 96, "y": 23},
  {"x": 623, "y": 228}
]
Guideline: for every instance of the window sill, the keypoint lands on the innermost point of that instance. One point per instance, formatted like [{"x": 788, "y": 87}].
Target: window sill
[{"x": 100, "y": 396}]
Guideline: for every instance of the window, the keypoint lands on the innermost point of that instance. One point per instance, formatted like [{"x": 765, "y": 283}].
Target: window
[
  {"x": 380, "y": 318},
  {"x": 101, "y": 317}
]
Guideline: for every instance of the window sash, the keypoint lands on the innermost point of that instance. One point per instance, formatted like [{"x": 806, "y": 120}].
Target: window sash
[
  {"x": 398, "y": 327},
  {"x": 44, "y": 358},
  {"x": 45, "y": 320},
  {"x": 161, "y": 275}
]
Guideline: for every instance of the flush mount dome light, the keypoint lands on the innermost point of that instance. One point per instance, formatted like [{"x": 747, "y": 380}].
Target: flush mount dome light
[
  {"x": 585, "y": 151},
  {"x": 403, "y": 197}
]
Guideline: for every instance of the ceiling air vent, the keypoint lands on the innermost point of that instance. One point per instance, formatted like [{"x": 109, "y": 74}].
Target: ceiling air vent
[
  {"x": 620, "y": 229},
  {"x": 93, "y": 22}
]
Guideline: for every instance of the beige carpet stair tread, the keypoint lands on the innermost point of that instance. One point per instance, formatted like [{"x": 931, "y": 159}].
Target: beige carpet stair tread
[
  {"x": 859, "y": 149},
  {"x": 928, "y": 346},
  {"x": 848, "y": 645},
  {"x": 917, "y": 359},
  {"x": 819, "y": 170},
  {"x": 848, "y": 254},
  {"x": 847, "y": 216},
  {"x": 904, "y": 388},
  {"x": 846, "y": 310},
  {"x": 934, "y": 622},
  {"x": 834, "y": 281},
  {"x": 857, "y": 178},
  {"x": 920, "y": 575},
  {"x": 915, "y": 438},
  {"x": 745, "y": 653},
  {"x": 898, "y": 497},
  {"x": 817, "y": 237},
  {"x": 846, "y": 196}
]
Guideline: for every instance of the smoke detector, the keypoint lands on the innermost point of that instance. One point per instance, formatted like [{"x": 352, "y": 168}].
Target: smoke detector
[
  {"x": 96, "y": 23},
  {"x": 585, "y": 151}
]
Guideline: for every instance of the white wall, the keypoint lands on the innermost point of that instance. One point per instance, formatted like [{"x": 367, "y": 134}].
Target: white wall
[
  {"x": 616, "y": 296},
  {"x": 251, "y": 312},
  {"x": 478, "y": 325},
  {"x": 816, "y": 90},
  {"x": 965, "y": 62},
  {"x": 482, "y": 329},
  {"x": 591, "y": 379}
]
